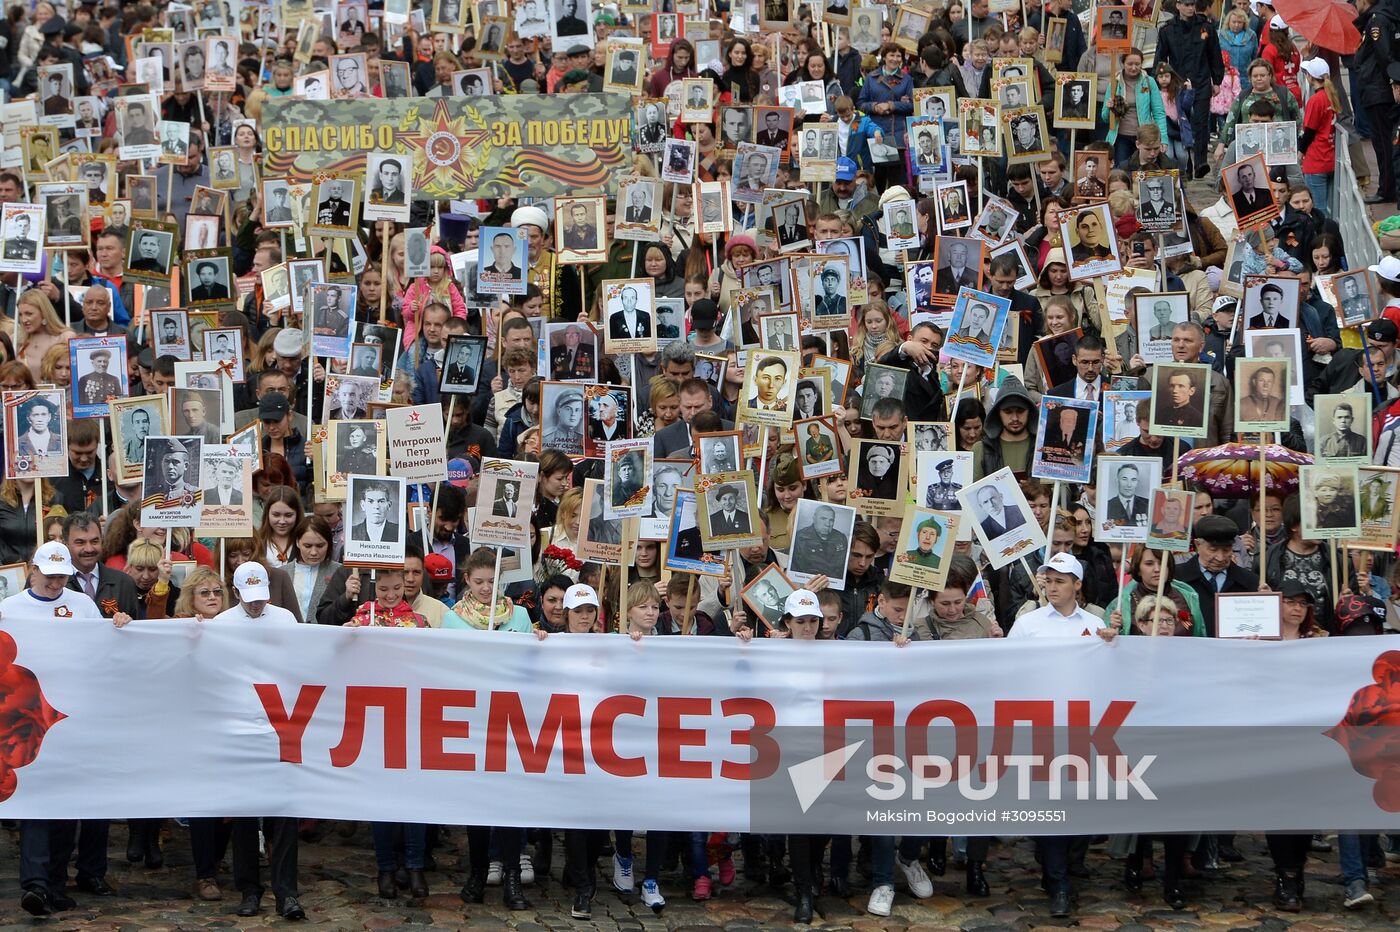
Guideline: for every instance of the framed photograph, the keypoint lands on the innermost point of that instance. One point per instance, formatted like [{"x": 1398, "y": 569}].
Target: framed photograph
[
  {"x": 627, "y": 469},
  {"x": 979, "y": 121},
  {"x": 226, "y": 489},
  {"x": 959, "y": 265},
  {"x": 394, "y": 79},
  {"x": 1157, "y": 192},
  {"x": 1065, "y": 433},
  {"x": 788, "y": 220},
  {"x": 1055, "y": 29},
  {"x": 133, "y": 420},
  {"x": 777, "y": 331},
  {"x": 770, "y": 387},
  {"x": 1001, "y": 518},
  {"x": 331, "y": 318},
  {"x": 136, "y": 124},
  {"x": 1157, "y": 314},
  {"x": 504, "y": 503},
  {"x": 954, "y": 210},
  {"x": 684, "y": 552},
  {"x": 150, "y": 247},
  {"x": 727, "y": 504},
  {"x": 678, "y": 161},
  {"x": 881, "y": 382},
  {"x": 1247, "y": 186},
  {"x": 1180, "y": 399},
  {"x": 208, "y": 277},
  {"x": 1281, "y": 144},
  {"x": 1120, "y": 421},
  {"x": 305, "y": 273},
  {"x": 389, "y": 187},
  {"x": 464, "y": 358},
  {"x": 940, "y": 476},
  {"x": 1075, "y": 96},
  {"x": 867, "y": 24},
  {"x": 1111, "y": 28},
  {"x": 925, "y": 548},
  {"x": 374, "y": 519},
  {"x": 196, "y": 412},
  {"x": 667, "y": 478},
  {"x": 1121, "y": 509},
  {"x": 877, "y": 477},
  {"x": 852, "y": 249},
  {"x": 600, "y": 537},
  {"x": 1091, "y": 167},
  {"x": 1250, "y": 139},
  {"x": 276, "y": 203},
  {"x": 170, "y": 484},
  {"x": 1025, "y": 128},
  {"x": 561, "y": 417},
  {"x": 1169, "y": 526},
  {"x": 201, "y": 233},
  {"x": 14, "y": 578},
  {"x": 573, "y": 351},
  {"x": 821, "y": 542},
  {"x": 337, "y": 210},
  {"x": 755, "y": 169},
  {"x": 899, "y": 225},
  {"x": 819, "y": 451},
  {"x": 473, "y": 82},
  {"x": 996, "y": 222},
  {"x": 1261, "y": 395},
  {"x": 711, "y": 369},
  {"x": 502, "y": 261},
  {"x": 1055, "y": 354},
  {"x": 578, "y": 226},
  {"x": 640, "y": 205},
  {"x": 719, "y": 451},
  {"x": 189, "y": 66},
  {"x": 1343, "y": 428},
  {"x": 141, "y": 192},
  {"x": 1247, "y": 615},
  {"x": 765, "y": 595},
  {"x": 928, "y": 436},
  {"x": 493, "y": 31},
  {"x": 1328, "y": 497},
  {"x": 222, "y": 55},
  {"x": 55, "y": 83},
  {"x": 21, "y": 233},
  {"x": 35, "y": 434},
  {"x": 365, "y": 359},
  {"x": 928, "y": 153},
  {"x": 1356, "y": 297},
  {"x": 819, "y": 150},
  {"x": 630, "y": 306},
  {"x": 910, "y": 24},
  {"x": 813, "y": 387},
  {"x": 1280, "y": 344},
  {"x": 99, "y": 373},
  {"x": 698, "y": 105},
  {"x": 608, "y": 410},
  {"x": 65, "y": 209},
  {"x": 1025, "y": 277},
  {"x": 773, "y": 127},
  {"x": 713, "y": 206},
  {"x": 348, "y": 396},
  {"x": 1271, "y": 303},
  {"x": 1378, "y": 487},
  {"x": 977, "y": 328},
  {"x": 1092, "y": 244}
]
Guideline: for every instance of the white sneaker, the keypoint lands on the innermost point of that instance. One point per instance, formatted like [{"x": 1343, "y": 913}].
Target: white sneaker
[
  {"x": 881, "y": 900},
  {"x": 493, "y": 874},
  {"x": 527, "y": 869},
  {"x": 919, "y": 883},
  {"x": 622, "y": 874},
  {"x": 651, "y": 895}
]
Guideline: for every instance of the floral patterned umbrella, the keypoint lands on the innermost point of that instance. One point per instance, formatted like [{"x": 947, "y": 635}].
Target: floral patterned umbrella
[{"x": 1231, "y": 470}]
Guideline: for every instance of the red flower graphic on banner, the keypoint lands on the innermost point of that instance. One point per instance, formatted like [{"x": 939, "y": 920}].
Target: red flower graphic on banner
[
  {"x": 25, "y": 716},
  {"x": 1369, "y": 732}
]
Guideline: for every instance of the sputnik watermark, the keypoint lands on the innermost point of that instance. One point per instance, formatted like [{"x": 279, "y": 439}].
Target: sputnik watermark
[{"x": 1100, "y": 779}]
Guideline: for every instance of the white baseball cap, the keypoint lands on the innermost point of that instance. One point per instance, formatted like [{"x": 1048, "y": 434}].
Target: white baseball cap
[
  {"x": 1317, "y": 67},
  {"x": 53, "y": 559},
  {"x": 580, "y": 595},
  {"x": 1277, "y": 22},
  {"x": 1224, "y": 303},
  {"x": 1388, "y": 268},
  {"x": 250, "y": 579},
  {"x": 1065, "y": 563},
  {"x": 802, "y": 603}
]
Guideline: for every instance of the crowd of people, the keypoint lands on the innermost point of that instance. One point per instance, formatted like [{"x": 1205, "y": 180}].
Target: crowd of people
[{"x": 1162, "y": 99}]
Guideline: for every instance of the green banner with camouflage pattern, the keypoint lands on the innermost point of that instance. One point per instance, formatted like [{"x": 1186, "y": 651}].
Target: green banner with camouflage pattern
[{"x": 511, "y": 145}]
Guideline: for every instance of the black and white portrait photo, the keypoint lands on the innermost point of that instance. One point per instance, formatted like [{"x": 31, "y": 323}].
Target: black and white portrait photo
[
  {"x": 878, "y": 469},
  {"x": 374, "y": 519},
  {"x": 348, "y": 396},
  {"x": 208, "y": 280},
  {"x": 1327, "y": 494},
  {"x": 821, "y": 542},
  {"x": 718, "y": 452},
  {"x": 630, "y": 309},
  {"x": 1271, "y": 303},
  {"x": 1123, "y": 503},
  {"x": 1180, "y": 399},
  {"x": 170, "y": 478},
  {"x": 170, "y": 331},
  {"x": 388, "y": 186},
  {"x": 561, "y": 417},
  {"x": 461, "y": 371},
  {"x": 149, "y": 252},
  {"x": 335, "y": 204},
  {"x": 1001, "y": 517},
  {"x": 1157, "y": 208},
  {"x": 608, "y": 413}
]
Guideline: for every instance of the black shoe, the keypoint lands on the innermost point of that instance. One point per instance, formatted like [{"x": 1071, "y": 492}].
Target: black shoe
[
  {"x": 977, "y": 880},
  {"x": 291, "y": 909},
  {"x": 1202, "y": 171},
  {"x": 155, "y": 858},
  {"x": 474, "y": 890},
  {"x": 388, "y": 890},
  {"x": 61, "y": 901},
  {"x": 1174, "y": 897},
  {"x": 778, "y": 877},
  {"x": 1287, "y": 897},
  {"x": 135, "y": 842},
  {"x": 938, "y": 866},
  {"x": 429, "y": 863},
  {"x": 583, "y": 906},
  {"x": 1228, "y": 852},
  {"x": 512, "y": 893},
  {"x": 803, "y": 912},
  {"x": 839, "y": 886},
  {"x": 1059, "y": 906},
  {"x": 251, "y": 904},
  {"x": 97, "y": 886},
  {"x": 1079, "y": 871},
  {"x": 1132, "y": 879},
  {"x": 36, "y": 903},
  {"x": 401, "y": 878},
  {"x": 417, "y": 884}
]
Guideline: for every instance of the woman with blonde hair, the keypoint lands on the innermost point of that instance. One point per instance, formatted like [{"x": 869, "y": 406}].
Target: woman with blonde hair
[
  {"x": 558, "y": 557},
  {"x": 149, "y": 568},
  {"x": 876, "y": 334},
  {"x": 665, "y": 404},
  {"x": 39, "y": 328},
  {"x": 55, "y": 368},
  {"x": 264, "y": 357}
]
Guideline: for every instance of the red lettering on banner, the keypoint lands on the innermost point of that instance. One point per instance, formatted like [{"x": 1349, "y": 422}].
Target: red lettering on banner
[
  {"x": 964, "y": 723},
  {"x": 837, "y": 712},
  {"x": 393, "y": 700},
  {"x": 433, "y": 729},
  {"x": 289, "y": 728},
  {"x": 758, "y": 737},
  {"x": 1040, "y": 713},
  {"x": 671, "y": 737},
  {"x": 1083, "y": 734},
  {"x": 600, "y": 736},
  {"x": 562, "y": 720}
]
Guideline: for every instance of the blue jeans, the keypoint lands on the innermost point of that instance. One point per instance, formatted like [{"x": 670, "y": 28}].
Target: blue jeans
[
  {"x": 415, "y": 843},
  {"x": 1349, "y": 853},
  {"x": 1124, "y": 147},
  {"x": 1321, "y": 187},
  {"x": 882, "y": 849}
]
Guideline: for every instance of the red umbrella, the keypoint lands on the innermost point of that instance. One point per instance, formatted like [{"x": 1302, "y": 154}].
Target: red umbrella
[{"x": 1327, "y": 24}]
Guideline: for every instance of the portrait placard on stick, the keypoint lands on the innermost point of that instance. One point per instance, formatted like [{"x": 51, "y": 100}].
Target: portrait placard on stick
[
  {"x": 925, "y": 548},
  {"x": 36, "y": 441},
  {"x": 504, "y": 503}
]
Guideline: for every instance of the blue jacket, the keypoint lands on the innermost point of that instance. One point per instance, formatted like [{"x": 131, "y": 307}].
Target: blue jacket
[
  {"x": 1149, "y": 105},
  {"x": 295, "y": 453},
  {"x": 898, "y": 90},
  {"x": 847, "y": 69},
  {"x": 511, "y": 428},
  {"x": 863, "y": 130},
  {"x": 1240, "y": 47}
]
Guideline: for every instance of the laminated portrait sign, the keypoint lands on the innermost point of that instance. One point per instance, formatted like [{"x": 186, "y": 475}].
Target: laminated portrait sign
[
  {"x": 503, "y": 261},
  {"x": 1158, "y": 210},
  {"x": 925, "y": 548},
  {"x": 579, "y": 230},
  {"x": 1001, "y": 518},
  {"x": 224, "y": 345},
  {"x": 819, "y": 450},
  {"x": 374, "y": 518},
  {"x": 1157, "y": 315},
  {"x": 353, "y": 448},
  {"x": 170, "y": 331},
  {"x": 899, "y": 225},
  {"x": 1376, "y": 497},
  {"x": 208, "y": 277},
  {"x": 1087, "y": 233},
  {"x": 1169, "y": 524},
  {"x": 417, "y": 443},
  {"x": 1261, "y": 395},
  {"x": 727, "y": 506},
  {"x": 99, "y": 373},
  {"x": 388, "y": 186},
  {"x": 1121, "y": 507},
  {"x": 608, "y": 416},
  {"x": 684, "y": 553},
  {"x": 463, "y": 361},
  {"x": 766, "y": 594},
  {"x": 1120, "y": 420},
  {"x": 627, "y": 468},
  {"x": 1064, "y": 449},
  {"x": 821, "y": 542},
  {"x": 331, "y": 318},
  {"x": 630, "y": 309},
  {"x": 770, "y": 387},
  {"x": 1343, "y": 428},
  {"x": 226, "y": 484},
  {"x": 668, "y": 477},
  {"x": 600, "y": 537},
  {"x": 977, "y": 328},
  {"x": 509, "y": 487},
  {"x": 877, "y": 477},
  {"x": 1075, "y": 99},
  {"x": 1180, "y": 399},
  {"x": 133, "y": 420},
  {"x": 150, "y": 251},
  {"x": 335, "y": 205},
  {"x": 21, "y": 233},
  {"x": 36, "y": 440},
  {"x": 1328, "y": 498},
  {"x": 170, "y": 490},
  {"x": 1285, "y": 344}
]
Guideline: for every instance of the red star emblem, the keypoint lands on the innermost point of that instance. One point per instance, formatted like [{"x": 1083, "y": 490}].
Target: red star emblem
[
  {"x": 413, "y": 417},
  {"x": 453, "y": 150}
]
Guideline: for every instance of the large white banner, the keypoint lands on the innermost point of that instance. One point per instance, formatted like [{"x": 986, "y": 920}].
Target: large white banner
[{"x": 179, "y": 718}]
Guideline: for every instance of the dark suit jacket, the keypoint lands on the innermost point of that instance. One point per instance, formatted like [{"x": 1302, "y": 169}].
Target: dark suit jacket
[
  {"x": 617, "y": 325},
  {"x": 361, "y": 532},
  {"x": 719, "y": 527},
  {"x": 328, "y": 594},
  {"x": 1237, "y": 579},
  {"x": 1068, "y": 389},
  {"x": 1116, "y": 511},
  {"x": 214, "y": 292},
  {"x": 116, "y": 590},
  {"x": 1261, "y": 200},
  {"x": 923, "y": 397},
  {"x": 946, "y": 283},
  {"x": 1011, "y": 518}
]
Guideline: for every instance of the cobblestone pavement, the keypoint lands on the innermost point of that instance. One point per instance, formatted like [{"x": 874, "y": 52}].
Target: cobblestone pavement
[{"x": 338, "y": 890}]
